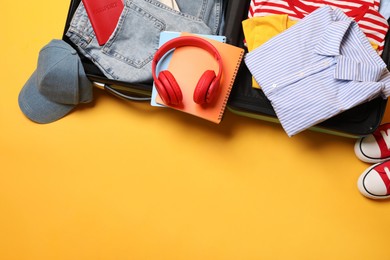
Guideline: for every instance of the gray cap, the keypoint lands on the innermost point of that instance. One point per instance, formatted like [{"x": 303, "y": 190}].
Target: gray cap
[{"x": 57, "y": 85}]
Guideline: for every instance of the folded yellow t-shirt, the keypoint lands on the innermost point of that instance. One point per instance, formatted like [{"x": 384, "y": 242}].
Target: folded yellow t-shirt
[{"x": 258, "y": 30}]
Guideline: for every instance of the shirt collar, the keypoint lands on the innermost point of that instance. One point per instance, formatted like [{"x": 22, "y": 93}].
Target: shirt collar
[
  {"x": 346, "y": 68},
  {"x": 329, "y": 44}
]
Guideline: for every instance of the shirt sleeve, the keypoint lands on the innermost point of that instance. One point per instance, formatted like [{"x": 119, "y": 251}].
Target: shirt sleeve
[
  {"x": 385, "y": 79},
  {"x": 349, "y": 69}
]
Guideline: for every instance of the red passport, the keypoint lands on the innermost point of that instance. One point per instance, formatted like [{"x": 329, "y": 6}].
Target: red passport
[{"x": 104, "y": 16}]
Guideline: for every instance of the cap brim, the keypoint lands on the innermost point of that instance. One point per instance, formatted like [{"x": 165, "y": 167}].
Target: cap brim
[{"x": 37, "y": 107}]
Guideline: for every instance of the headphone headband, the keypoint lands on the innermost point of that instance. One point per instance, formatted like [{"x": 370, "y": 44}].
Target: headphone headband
[{"x": 187, "y": 41}]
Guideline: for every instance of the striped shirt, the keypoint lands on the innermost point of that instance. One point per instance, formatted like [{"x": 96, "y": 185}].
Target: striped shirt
[
  {"x": 384, "y": 9},
  {"x": 364, "y": 12},
  {"x": 319, "y": 67}
]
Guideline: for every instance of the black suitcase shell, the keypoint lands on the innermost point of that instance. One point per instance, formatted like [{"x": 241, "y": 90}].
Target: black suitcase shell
[{"x": 245, "y": 100}]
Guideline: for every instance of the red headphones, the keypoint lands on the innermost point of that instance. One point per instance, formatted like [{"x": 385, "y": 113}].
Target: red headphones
[{"x": 208, "y": 85}]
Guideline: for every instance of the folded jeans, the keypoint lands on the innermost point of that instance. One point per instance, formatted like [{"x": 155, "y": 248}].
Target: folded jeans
[{"x": 128, "y": 53}]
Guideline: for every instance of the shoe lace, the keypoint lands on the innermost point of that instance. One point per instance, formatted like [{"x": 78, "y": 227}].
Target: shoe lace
[
  {"x": 386, "y": 137},
  {"x": 387, "y": 183}
]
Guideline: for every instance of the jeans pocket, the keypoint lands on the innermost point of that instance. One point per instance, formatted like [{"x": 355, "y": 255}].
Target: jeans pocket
[
  {"x": 136, "y": 38},
  {"x": 81, "y": 26}
]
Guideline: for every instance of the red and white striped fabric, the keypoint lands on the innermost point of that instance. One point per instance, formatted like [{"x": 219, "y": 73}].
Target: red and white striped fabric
[
  {"x": 257, "y": 7},
  {"x": 364, "y": 12}
]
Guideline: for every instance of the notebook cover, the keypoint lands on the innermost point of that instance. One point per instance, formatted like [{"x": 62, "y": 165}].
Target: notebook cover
[
  {"x": 171, "y": 3},
  {"x": 189, "y": 63},
  {"x": 104, "y": 16}
]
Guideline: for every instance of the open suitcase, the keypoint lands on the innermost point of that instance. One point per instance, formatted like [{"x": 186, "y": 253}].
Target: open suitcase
[{"x": 245, "y": 100}]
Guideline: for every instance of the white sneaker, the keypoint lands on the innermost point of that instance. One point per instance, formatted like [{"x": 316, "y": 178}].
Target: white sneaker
[
  {"x": 374, "y": 183},
  {"x": 375, "y": 147}
]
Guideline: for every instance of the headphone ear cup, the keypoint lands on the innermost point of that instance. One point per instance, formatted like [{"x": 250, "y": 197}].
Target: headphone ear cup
[
  {"x": 213, "y": 91},
  {"x": 202, "y": 89},
  {"x": 168, "y": 88},
  {"x": 161, "y": 91}
]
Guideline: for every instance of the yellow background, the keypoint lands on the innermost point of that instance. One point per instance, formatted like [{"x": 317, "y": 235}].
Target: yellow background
[{"x": 123, "y": 180}]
